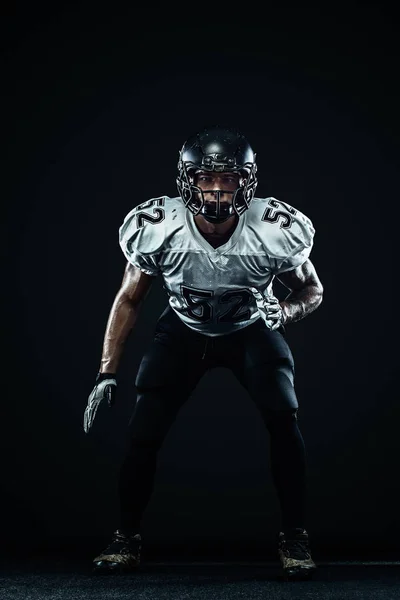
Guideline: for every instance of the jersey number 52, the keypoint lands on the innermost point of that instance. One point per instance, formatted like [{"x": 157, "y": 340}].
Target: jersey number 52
[
  {"x": 272, "y": 215},
  {"x": 157, "y": 216},
  {"x": 201, "y": 310}
]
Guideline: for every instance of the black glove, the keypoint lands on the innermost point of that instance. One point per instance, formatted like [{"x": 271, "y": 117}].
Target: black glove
[{"x": 105, "y": 389}]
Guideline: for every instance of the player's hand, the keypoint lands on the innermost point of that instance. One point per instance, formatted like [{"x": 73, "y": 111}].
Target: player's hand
[
  {"x": 269, "y": 309},
  {"x": 104, "y": 390}
]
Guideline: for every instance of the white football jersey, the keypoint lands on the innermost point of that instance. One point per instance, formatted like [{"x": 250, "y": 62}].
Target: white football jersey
[{"x": 208, "y": 287}]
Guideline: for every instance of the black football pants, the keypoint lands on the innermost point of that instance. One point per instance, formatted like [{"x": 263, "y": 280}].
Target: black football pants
[{"x": 170, "y": 369}]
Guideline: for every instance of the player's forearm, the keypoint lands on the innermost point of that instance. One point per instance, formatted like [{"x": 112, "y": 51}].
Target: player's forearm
[
  {"x": 300, "y": 303},
  {"x": 122, "y": 318}
]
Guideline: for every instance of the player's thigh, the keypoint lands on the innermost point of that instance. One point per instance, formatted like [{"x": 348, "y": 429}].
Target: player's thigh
[
  {"x": 266, "y": 369},
  {"x": 168, "y": 373}
]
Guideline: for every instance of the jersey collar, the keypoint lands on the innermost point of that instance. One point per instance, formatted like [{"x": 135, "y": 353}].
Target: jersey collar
[{"x": 224, "y": 248}]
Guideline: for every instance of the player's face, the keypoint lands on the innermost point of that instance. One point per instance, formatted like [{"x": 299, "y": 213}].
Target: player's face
[{"x": 228, "y": 182}]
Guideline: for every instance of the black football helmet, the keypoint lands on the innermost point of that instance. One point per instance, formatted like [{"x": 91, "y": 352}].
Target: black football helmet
[{"x": 217, "y": 149}]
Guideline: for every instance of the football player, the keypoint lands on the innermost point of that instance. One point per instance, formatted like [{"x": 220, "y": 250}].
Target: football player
[{"x": 218, "y": 249}]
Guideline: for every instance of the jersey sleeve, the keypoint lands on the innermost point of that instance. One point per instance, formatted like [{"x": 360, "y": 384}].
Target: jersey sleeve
[
  {"x": 296, "y": 259},
  {"x": 141, "y": 241},
  {"x": 292, "y": 238}
]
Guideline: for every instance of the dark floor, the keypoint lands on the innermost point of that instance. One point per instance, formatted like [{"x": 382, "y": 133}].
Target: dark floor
[{"x": 56, "y": 578}]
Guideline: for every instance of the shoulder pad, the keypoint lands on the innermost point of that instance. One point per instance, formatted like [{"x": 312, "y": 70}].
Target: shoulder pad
[
  {"x": 142, "y": 235},
  {"x": 143, "y": 227},
  {"x": 286, "y": 232}
]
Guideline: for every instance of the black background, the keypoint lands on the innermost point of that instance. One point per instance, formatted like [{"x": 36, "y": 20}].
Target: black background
[{"x": 98, "y": 106}]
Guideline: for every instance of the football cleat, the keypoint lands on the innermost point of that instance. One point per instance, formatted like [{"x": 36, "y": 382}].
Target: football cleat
[
  {"x": 294, "y": 554},
  {"x": 121, "y": 556}
]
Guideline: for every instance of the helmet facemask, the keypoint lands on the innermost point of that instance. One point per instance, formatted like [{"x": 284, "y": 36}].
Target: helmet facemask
[{"x": 216, "y": 211}]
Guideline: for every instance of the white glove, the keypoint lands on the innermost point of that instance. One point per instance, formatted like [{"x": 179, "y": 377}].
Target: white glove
[
  {"x": 269, "y": 309},
  {"x": 104, "y": 390}
]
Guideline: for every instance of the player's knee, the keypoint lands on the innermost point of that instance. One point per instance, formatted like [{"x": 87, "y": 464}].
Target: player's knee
[
  {"x": 144, "y": 447},
  {"x": 280, "y": 418}
]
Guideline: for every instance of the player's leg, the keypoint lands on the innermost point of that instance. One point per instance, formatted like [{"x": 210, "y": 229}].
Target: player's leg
[
  {"x": 168, "y": 373},
  {"x": 266, "y": 369},
  {"x": 264, "y": 365},
  {"x": 169, "y": 370}
]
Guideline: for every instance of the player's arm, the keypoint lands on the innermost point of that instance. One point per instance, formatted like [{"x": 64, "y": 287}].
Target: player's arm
[
  {"x": 124, "y": 311},
  {"x": 305, "y": 292},
  {"x": 122, "y": 318}
]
